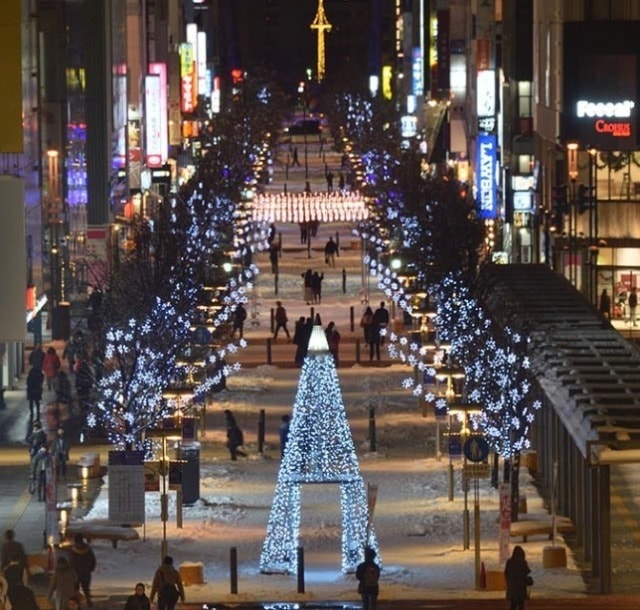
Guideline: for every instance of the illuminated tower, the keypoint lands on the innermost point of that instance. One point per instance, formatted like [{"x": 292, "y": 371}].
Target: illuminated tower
[
  {"x": 321, "y": 24},
  {"x": 319, "y": 450}
]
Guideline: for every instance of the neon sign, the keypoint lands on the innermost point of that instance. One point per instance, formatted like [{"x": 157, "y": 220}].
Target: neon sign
[
  {"x": 485, "y": 172},
  {"x": 618, "y": 110}
]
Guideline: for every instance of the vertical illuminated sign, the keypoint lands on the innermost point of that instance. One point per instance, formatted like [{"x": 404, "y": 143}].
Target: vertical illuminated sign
[
  {"x": 192, "y": 39},
  {"x": 152, "y": 122},
  {"x": 201, "y": 64},
  {"x": 387, "y": 88},
  {"x": 486, "y": 156},
  {"x": 187, "y": 72},
  {"x": 160, "y": 69},
  {"x": 417, "y": 70}
]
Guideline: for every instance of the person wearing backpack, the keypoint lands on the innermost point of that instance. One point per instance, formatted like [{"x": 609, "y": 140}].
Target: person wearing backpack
[
  {"x": 83, "y": 561},
  {"x": 168, "y": 585},
  {"x": 368, "y": 575}
]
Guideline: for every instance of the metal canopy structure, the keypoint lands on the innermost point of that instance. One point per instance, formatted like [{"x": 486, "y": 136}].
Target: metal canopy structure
[{"x": 588, "y": 379}]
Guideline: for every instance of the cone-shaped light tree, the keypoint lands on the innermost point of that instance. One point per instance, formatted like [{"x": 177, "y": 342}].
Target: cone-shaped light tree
[{"x": 319, "y": 449}]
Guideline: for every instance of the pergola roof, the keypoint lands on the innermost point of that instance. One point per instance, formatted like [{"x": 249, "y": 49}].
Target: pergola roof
[{"x": 588, "y": 372}]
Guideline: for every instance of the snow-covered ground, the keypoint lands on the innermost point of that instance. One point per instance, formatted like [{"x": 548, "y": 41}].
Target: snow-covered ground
[{"x": 419, "y": 530}]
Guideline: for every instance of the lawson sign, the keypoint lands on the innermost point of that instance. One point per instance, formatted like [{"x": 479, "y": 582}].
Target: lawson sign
[{"x": 486, "y": 158}]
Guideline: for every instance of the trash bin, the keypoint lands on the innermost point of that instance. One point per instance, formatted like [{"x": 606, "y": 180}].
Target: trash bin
[{"x": 190, "y": 456}]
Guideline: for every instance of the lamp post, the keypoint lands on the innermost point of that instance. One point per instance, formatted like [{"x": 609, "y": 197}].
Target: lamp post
[
  {"x": 165, "y": 434},
  {"x": 572, "y": 164},
  {"x": 303, "y": 96}
]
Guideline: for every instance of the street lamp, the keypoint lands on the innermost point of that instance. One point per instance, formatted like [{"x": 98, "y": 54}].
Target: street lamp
[
  {"x": 303, "y": 97},
  {"x": 164, "y": 434}
]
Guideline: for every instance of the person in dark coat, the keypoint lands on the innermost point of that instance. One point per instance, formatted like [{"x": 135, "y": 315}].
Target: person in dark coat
[
  {"x": 316, "y": 286},
  {"x": 139, "y": 600},
  {"x": 83, "y": 561},
  {"x": 13, "y": 551},
  {"x": 35, "y": 379},
  {"x": 36, "y": 357},
  {"x": 281, "y": 320},
  {"x": 368, "y": 575},
  {"x": 365, "y": 323},
  {"x": 517, "y": 577},
  {"x": 22, "y": 597},
  {"x": 333, "y": 339},
  {"x": 300, "y": 339},
  {"x": 60, "y": 450},
  {"x": 307, "y": 285},
  {"x": 40, "y": 462},
  {"x": 381, "y": 318},
  {"x": 239, "y": 317},
  {"x": 235, "y": 440},
  {"x": 605, "y": 304},
  {"x": 165, "y": 579},
  {"x": 274, "y": 253},
  {"x": 37, "y": 438},
  {"x": 330, "y": 251},
  {"x": 283, "y": 432}
]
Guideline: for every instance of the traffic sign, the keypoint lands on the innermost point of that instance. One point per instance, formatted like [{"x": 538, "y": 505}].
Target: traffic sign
[
  {"x": 476, "y": 471},
  {"x": 455, "y": 447},
  {"x": 476, "y": 448}
]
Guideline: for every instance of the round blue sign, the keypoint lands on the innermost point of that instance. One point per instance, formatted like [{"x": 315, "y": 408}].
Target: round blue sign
[{"x": 476, "y": 449}]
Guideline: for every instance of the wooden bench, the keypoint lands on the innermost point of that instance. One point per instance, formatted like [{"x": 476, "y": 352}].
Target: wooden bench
[
  {"x": 100, "y": 530},
  {"x": 540, "y": 526}
]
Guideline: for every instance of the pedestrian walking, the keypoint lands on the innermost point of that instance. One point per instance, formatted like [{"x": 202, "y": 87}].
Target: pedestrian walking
[
  {"x": 307, "y": 286},
  {"x": 316, "y": 286},
  {"x": 518, "y": 577},
  {"x": 300, "y": 340},
  {"x": 36, "y": 357},
  {"x": 37, "y": 438},
  {"x": 239, "y": 316},
  {"x": 295, "y": 160},
  {"x": 272, "y": 233},
  {"x": 330, "y": 250},
  {"x": 50, "y": 366},
  {"x": 366, "y": 322},
  {"x": 368, "y": 575},
  {"x": 40, "y": 464},
  {"x": 304, "y": 232},
  {"x": 633, "y": 305},
  {"x": 381, "y": 318},
  {"x": 604, "y": 306},
  {"x": 60, "y": 450},
  {"x": 235, "y": 440},
  {"x": 35, "y": 379},
  {"x": 83, "y": 560},
  {"x": 281, "y": 320},
  {"x": 13, "y": 552},
  {"x": 139, "y": 600},
  {"x": 333, "y": 339},
  {"x": 283, "y": 432},
  {"x": 329, "y": 177},
  {"x": 64, "y": 584},
  {"x": 229, "y": 419},
  {"x": 341, "y": 181},
  {"x": 167, "y": 584},
  {"x": 313, "y": 227},
  {"x": 375, "y": 339}
]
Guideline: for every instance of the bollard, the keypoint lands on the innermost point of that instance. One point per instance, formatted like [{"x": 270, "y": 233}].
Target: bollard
[
  {"x": 285, "y": 184},
  {"x": 280, "y": 244},
  {"x": 300, "y": 570},
  {"x": 338, "y": 244},
  {"x": 351, "y": 317},
  {"x": 372, "y": 429},
  {"x": 313, "y": 314},
  {"x": 179, "y": 507},
  {"x": 233, "y": 569},
  {"x": 273, "y": 320},
  {"x": 261, "y": 420},
  {"x": 358, "y": 351},
  {"x": 275, "y": 283},
  {"x": 269, "y": 350},
  {"x": 309, "y": 245},
  {"x": 344, "y": 281}
]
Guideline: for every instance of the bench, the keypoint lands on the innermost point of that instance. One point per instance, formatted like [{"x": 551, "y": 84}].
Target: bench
[
  {"x": 540, "y": 526},
  {"x": 100, "y": 530}
]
